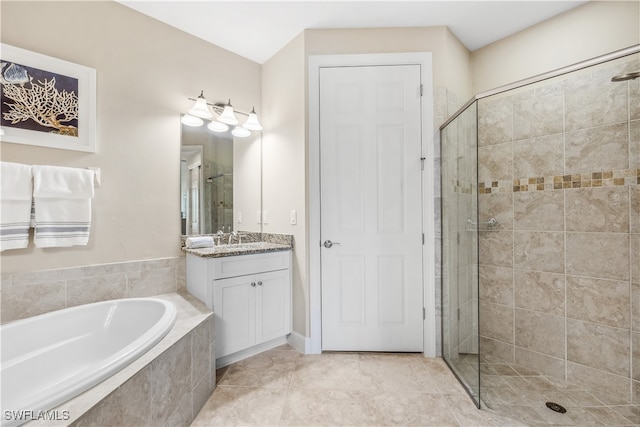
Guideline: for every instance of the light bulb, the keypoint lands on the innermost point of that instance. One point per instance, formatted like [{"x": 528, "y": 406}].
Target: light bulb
[
  {"x": 252, "y": 122},
  {"x": 190, "y": 120},
  {"x": 200, "y": 109},
  {"x": 240, "y": 132},
  {"x": 228, "y": 116},
  {"x": 217, "y": 127}
]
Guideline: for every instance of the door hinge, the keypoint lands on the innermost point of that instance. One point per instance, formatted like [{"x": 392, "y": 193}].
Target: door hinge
[
  {"x": 458, "y": 314},
  {"x": 423, "y": 238},
  {"x": 421, "y": 89},
  {"x": 424, "y": 313},
  {"x": 422, "y": 159}
]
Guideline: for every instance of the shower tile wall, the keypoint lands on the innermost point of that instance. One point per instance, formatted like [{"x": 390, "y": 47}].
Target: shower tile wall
[{"x": 559, "y": 275}]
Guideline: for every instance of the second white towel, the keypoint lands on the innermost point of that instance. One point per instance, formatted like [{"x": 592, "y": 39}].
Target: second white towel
[
  {"x": 62, "y": 198},
  {"x": 198, "y": 242}
]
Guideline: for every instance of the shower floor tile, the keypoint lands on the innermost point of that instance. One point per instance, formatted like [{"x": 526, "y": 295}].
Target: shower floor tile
[{"x": 523, "y": 397}]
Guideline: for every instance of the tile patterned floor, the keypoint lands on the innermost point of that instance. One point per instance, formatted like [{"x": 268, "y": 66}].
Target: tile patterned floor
[
  {"x": 283, "y": 387},
  {"x": 521, "y": 393}
]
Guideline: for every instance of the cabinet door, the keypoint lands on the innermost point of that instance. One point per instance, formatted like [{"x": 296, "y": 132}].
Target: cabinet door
[
  {"x": 234, "y": 310},
  {"x": 273, "y": 305}
]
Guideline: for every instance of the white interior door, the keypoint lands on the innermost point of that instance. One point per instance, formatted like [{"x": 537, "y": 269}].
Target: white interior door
[{"x": 371, "y": 208}]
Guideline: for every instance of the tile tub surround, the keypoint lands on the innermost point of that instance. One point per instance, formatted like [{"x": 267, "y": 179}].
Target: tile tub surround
[
  {"x": 32, "y": 293},
  {"x": 168, "y": 385},
  {"x": 557, "y": 275}
]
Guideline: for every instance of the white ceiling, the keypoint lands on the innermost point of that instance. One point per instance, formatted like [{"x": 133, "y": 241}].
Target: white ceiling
[{"x": 258, "y": 29}]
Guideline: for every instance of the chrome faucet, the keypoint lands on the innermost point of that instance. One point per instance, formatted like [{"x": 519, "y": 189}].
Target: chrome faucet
[
  {"x": 218, "y": 236},
  {"x": 233, "y": 234}
]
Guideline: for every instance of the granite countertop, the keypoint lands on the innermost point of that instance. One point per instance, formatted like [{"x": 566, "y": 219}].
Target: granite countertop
[
  {"x": 253, "y": 243},
  {"x": 238, "y": 249}
]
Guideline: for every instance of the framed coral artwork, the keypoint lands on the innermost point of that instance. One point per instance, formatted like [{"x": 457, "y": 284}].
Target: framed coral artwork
[{"x": 46, "y": 101}]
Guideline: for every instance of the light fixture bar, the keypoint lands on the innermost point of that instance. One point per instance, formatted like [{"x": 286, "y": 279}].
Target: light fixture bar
[{"x": 218, "y": 107}]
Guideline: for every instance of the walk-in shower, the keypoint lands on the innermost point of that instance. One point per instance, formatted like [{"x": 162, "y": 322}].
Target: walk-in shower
[{"x": 541, "y": 245}]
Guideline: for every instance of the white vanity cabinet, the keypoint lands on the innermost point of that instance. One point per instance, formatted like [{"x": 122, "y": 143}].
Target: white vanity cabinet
[{"x": 250, "y": 296}]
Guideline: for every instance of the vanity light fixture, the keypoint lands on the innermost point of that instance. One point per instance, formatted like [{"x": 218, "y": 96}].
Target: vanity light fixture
[
  {"x": 252, "y": 122},
  {"x": 226, "y": 117},
  {"x": 200, "y": 108}
]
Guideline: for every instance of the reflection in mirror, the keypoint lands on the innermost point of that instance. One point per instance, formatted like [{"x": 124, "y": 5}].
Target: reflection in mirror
[
  {"x": 207, "y": 181},
  {"x": 220, "y": 181}
]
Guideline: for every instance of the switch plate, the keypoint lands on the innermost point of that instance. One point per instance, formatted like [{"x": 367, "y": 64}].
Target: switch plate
[
  {"x": 293, "y": 217},
  {"x": 239, "y": 217}
]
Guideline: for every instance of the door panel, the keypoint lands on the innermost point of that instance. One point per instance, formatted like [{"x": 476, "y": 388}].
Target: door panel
[{"x": 371, "y": 207}]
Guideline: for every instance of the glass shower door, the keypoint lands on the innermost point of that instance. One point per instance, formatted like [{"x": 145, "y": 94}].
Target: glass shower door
[{"x": 460, "y": 249}]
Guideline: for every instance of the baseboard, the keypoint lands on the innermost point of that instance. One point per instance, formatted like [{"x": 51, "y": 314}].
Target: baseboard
[
  {"x": 300, "y": 343},
  {"x": 252, "y": 351}
]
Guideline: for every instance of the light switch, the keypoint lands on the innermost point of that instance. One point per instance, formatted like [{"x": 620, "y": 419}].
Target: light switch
[
  {"x": 239, "y": 217},
  {"x": 265, "y": 217},
  {"x": 293, "y": 217}
]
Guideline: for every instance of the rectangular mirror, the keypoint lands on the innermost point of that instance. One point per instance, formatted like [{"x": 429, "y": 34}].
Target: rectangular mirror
[{"x": 220, "y": 181}]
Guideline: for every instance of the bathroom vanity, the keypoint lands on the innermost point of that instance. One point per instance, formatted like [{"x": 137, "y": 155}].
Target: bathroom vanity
[{"x": 248, "y": 287}]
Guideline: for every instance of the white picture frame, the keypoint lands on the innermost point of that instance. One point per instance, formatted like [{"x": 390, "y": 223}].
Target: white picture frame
[{"x": 78, "y": 133}]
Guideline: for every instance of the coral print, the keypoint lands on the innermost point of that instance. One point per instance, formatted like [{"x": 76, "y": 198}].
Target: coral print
[{"x": 38, "y": 100}]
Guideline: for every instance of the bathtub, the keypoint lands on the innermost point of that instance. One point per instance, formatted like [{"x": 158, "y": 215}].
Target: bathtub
[{"x": 51, "y": 358}]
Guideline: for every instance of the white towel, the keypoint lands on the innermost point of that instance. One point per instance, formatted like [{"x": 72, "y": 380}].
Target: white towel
[
  {"x": 15, "y": 205},
  {"x": 199, "y": 242},
  {"x": 62, "y": 198}
]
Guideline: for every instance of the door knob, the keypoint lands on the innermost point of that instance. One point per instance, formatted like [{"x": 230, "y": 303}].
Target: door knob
[{"x": 328, "y": 243}]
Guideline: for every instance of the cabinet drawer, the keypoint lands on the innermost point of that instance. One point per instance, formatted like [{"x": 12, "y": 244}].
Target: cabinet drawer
[{"x": 250, "y": 264}]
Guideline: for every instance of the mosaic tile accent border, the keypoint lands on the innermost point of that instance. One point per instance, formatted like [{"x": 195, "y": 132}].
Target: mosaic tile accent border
[{"x": 558, "y": 182}]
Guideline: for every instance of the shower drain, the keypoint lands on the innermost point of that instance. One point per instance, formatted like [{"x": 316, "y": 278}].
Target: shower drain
[{"x": 555, "y": 407}]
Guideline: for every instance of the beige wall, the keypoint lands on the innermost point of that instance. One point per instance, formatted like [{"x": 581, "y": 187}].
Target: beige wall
[
  {"x": 145, "y": 72},
  {"x": 385, "y": 40},
  {"x": 284, "y": 161},
  {"x": 588, "y": 31}
]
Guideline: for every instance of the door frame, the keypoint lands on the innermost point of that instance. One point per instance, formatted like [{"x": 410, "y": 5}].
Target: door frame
[{"x": 315, "y": 63}]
